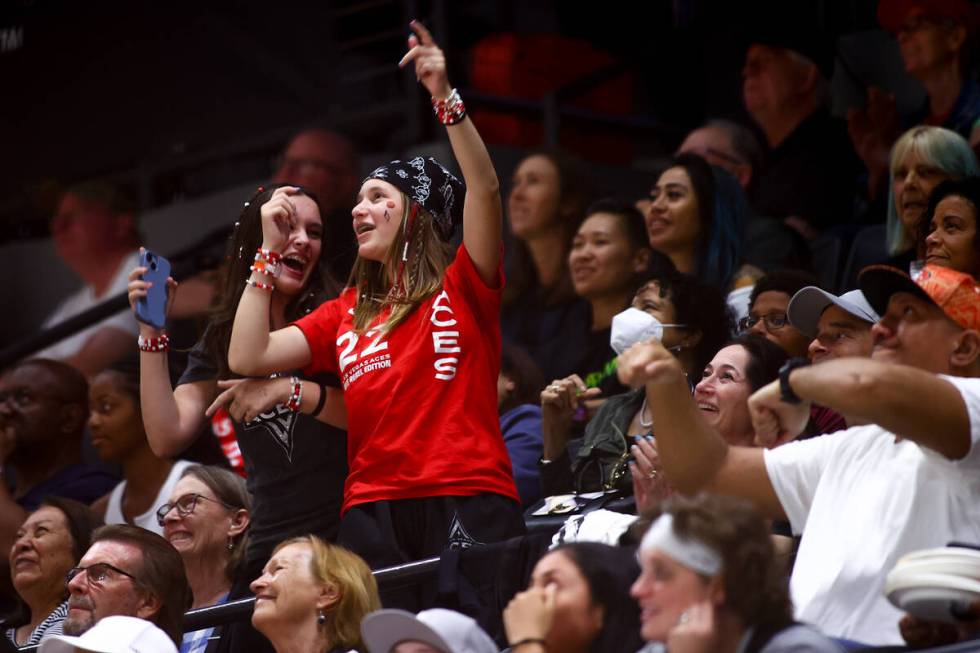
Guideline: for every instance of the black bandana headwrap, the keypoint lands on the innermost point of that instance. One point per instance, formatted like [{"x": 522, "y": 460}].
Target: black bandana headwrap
[{"x": 425, "y": 181}]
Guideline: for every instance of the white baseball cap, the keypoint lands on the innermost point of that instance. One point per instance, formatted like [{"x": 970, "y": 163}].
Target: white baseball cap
[
  {"x": 446, "y": 630},
  {"x": 114, "y": 635},
  {"x": 809, "y": 303}
]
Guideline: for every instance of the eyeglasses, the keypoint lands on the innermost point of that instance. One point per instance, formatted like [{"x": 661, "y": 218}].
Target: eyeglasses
[
  {"x": 98, "y": 573},
  {"x": 772, "y": 322},
  {"x": 185, "y": 505}
]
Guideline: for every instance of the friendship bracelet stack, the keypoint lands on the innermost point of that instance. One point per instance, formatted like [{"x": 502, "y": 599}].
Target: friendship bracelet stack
[
  {"x": 160, "y": 343},
  {"x": 268, "y": 263},
  {"x": 296, "y": 396},
  {"x": 450, "y": 111}
]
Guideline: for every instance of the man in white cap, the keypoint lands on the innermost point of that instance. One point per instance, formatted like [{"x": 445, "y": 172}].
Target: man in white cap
[
  {"x": 432, "y": 631},
  {"x": 114, "y": 635},
  {"x": 839, "y": 326}
]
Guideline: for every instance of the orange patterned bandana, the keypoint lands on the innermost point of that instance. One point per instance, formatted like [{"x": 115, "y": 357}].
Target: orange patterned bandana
[{"x": 955, "y": 292}]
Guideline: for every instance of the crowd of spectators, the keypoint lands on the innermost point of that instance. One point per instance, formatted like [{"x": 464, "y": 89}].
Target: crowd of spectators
[{"x": 769, "y": 444}]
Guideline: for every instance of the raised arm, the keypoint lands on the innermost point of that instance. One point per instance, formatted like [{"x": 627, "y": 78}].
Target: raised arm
[
  {"x": 909, "y": 402},
  {"x": 482, "y": 213},
  {"x": 693, "y": 455},
  {"x": 254, "y": 351},
  {"x": 172, "y": 418}
]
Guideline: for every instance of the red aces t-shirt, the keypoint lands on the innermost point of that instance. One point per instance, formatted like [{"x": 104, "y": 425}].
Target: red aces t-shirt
[{"x": 421, "y": 400}]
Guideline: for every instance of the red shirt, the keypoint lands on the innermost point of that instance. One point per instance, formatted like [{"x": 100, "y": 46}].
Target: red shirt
[{"x": 421, "y": 401}]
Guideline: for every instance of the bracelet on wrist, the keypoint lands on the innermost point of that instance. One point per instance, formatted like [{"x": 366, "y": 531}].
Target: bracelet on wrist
[
  {"x": 450, "y": 111},
  {"x": 259, "y": 285},
  {"x": 296, "y": 396},
  {"x": 268, "y": 255},
  {"x": 321, "y": 401},
  {"x": 528, "y": 640},
  {"x": 267, "y": 262},
  {"x": 159, "y": 344}
]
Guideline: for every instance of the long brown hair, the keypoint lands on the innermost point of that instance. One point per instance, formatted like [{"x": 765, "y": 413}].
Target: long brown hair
[
  {"x": 245, "y": 240},
  {"x": 575, "y": 188},
  {"x": 417, "y": 271}
]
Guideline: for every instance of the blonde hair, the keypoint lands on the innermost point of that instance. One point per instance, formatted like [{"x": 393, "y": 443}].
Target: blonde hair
[
  {"x": 352, "y": 578},
  {"x": 939, "y": 148},
  {"x": 417, "y": 267}
]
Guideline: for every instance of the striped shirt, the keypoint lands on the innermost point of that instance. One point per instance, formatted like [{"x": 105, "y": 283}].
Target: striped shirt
[{"x": 50, "y": 627}]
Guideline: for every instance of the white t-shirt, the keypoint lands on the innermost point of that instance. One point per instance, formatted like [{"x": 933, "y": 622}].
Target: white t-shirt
[
  {"x": 148, "y": 520},
  {"x": 83, "y": 299},
  {"x": 862, "y": 501}
]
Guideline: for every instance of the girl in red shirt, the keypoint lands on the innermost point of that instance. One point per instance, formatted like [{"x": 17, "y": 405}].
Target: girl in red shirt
[{"x": 415, "y": 340}]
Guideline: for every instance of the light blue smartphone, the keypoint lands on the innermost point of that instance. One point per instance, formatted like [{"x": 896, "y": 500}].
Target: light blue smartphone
[{"x": 152, "y": 309}]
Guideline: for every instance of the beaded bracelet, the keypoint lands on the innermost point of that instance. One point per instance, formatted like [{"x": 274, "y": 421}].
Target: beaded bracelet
[
  {"x": 268, "y": 255},
  {"x": 296, "y": 396},
  {"x": 160, "y": 343},
  {"x": 267, "y": 262},
  {"x": 450, "y": 111},
  {"x": 263, "y": 267},
  {"x": 259, "y": 285}
]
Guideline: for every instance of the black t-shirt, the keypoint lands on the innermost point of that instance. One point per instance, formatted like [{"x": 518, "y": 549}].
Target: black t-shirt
[
  {"x": 580, "y": 350},
  {"x": 811, "y": 174},
  {"x": 296, "y": 470}
]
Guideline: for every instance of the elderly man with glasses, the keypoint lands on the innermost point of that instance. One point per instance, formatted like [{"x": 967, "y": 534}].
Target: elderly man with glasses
[{"x": 128, "y": 571}]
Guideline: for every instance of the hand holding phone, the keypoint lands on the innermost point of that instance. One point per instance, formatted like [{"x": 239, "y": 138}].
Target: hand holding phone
[{"x": 152, "y": 309}]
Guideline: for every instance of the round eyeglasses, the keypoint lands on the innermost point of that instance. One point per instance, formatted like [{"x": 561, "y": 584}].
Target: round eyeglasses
[
  {"x": 185, "y": 505},
  {"x": 772, "y": 322}
]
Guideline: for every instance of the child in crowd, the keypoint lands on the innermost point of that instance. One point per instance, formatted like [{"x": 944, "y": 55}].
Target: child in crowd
[{"x": 116, "y": 424}]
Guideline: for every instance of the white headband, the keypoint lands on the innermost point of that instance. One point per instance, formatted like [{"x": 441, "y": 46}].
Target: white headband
[{"x": 689, "y": 552}]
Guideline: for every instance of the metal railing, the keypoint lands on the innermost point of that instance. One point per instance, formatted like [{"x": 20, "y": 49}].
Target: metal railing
[
  {"x": 202, "y": 255},
  {"x": 240, "y": 610}
]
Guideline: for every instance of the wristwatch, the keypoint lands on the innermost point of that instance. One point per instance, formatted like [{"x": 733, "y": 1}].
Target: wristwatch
[{"x": 786, "y": 394}]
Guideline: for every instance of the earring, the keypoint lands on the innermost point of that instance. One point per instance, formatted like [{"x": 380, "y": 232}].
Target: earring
[
  {"x": 321, "y": 618},
  {"x": 231, "y": 544}
]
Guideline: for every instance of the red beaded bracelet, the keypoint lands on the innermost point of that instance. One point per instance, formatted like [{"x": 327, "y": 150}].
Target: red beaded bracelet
[
  {"x": 296, "y": 397},
  {"x": 267, "y": 262},
  {"x": 450, "y": 111},
  {"x": 260, "y": 285},
  {"x": 268, "y": 255},
  {"x": 263, "y": 267},
  {"x": 160, "y": 343}
]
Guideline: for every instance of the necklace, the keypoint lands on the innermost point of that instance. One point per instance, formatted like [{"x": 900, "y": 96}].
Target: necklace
[{"x": 643, "y": 409}]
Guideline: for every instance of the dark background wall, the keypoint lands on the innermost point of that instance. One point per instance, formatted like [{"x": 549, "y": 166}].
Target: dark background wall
[{"x": 185, "y": 102}]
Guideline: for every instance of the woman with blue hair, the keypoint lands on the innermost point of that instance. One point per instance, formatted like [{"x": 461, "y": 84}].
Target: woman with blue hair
[
  {"x": 921, "y": 159},
  {"x": 697, "y": 218}
]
